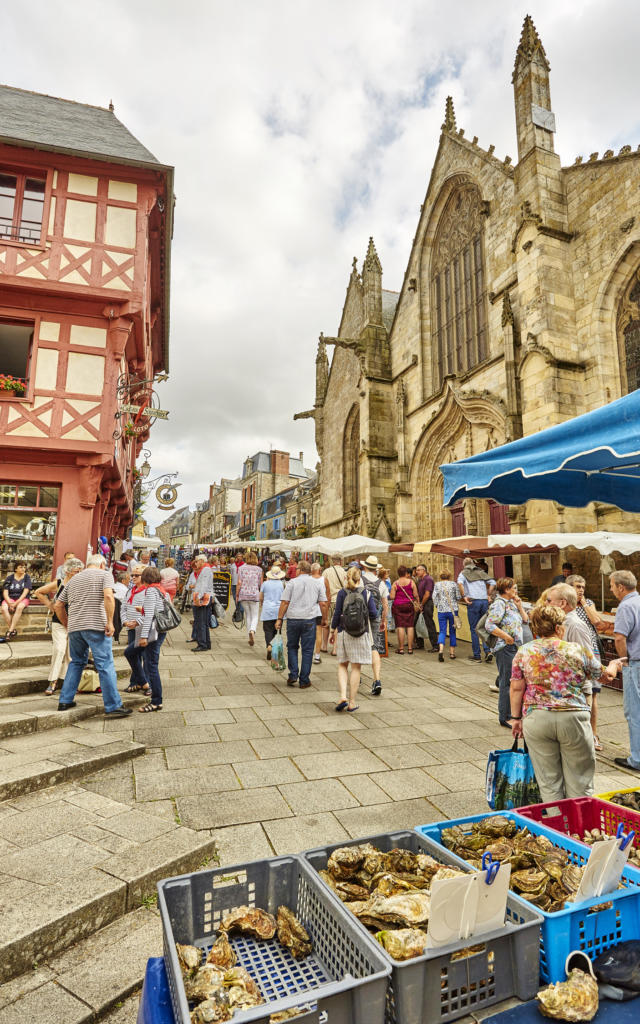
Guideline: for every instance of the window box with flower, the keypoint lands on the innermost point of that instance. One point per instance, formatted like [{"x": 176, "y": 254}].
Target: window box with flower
[{"x": 12, "y": 386}]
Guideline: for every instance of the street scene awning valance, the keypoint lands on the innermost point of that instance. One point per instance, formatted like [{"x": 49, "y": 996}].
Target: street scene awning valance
[
  {"x": 594, "y": 457},
  {"x": 482, "y": 547},
  {"x": 605, "y": 543}
]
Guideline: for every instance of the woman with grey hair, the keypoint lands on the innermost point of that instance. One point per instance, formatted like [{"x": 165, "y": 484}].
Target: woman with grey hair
[
  {"x": 586, "y": 611},
  {"x": 59, "y": 637}
]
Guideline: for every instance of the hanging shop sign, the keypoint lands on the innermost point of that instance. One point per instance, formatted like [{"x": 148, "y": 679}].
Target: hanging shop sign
[{"x": 166, "y": 495}]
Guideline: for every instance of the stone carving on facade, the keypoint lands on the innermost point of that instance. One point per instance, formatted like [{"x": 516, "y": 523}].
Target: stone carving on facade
[
  {"x": 507, "y": 311},
  {"x": 460, "y": 222},
  {"x": 401, "y": 398},
  {"x": 382, "y": 518},
  {"x": 449, "y": 123}
]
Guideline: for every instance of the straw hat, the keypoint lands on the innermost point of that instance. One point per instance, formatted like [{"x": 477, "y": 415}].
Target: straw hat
[
  {"x": 275, "y": 573},
  {"x": 371, "y": 562}
]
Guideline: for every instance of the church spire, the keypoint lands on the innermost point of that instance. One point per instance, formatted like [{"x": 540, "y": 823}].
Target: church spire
[
  {"x": 530, "y": 45},
  {"x": 371, "y": 260},
  {"x": 372, "y": 285},
  {"x": 449, "y": 124},
  {"x": 535, "y": 123}
]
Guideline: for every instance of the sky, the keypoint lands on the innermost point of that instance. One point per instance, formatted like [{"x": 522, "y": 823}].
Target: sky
[{"x": 297, "y": 129}]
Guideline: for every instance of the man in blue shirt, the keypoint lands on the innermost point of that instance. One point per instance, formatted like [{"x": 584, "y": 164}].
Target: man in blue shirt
[
  {"x": 626, "y": 633},
  {"x": 476, "y": 586}
]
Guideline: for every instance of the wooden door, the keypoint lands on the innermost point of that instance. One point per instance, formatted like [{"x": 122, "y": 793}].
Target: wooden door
[
  {"x": 458, "y": 529},
  {"x": 499, "y": 523}
]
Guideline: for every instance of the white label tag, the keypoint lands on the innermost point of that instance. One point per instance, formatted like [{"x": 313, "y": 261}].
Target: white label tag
[
  {"x": 603, "y": 870},
  {"x": 464, "y": 907}
]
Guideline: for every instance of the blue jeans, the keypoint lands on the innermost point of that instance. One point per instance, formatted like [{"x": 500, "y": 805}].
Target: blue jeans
[
  {"x": 300, "y": 632},
  {"x": 475, "y": 611},
  {"x": 201, "y": 620},
  {"x": 151, "y": 658},
  {"x": 133, "y": 655},
  {"x": 631, "y": 699},
  {"x": 101, "y": 646},
  {"x": 504, "y": 661},
  {"x": 446, "y": 619}
]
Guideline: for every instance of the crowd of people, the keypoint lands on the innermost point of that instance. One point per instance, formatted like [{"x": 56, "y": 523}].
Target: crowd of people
[{"x": 549, "y": 658}]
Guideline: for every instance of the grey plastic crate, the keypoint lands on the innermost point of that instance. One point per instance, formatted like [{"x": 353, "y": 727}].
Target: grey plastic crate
[
  {"x": 435, "y": 988},
  {"x": 345, "y": 977}
]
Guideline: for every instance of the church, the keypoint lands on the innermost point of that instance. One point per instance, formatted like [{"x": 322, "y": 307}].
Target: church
[{"x": 519, "y": 308}]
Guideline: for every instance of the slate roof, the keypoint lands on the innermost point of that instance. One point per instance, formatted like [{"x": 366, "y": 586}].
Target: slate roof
[
  {"x": 389, "y": 303},
  {"x": 64, "y": 126}
]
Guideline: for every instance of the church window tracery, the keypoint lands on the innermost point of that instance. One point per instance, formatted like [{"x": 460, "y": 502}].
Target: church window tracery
[
  {"x": 629, "y": 335},
  {"x": 351, "y": 461},
  {"x": 458, "y": 286}
]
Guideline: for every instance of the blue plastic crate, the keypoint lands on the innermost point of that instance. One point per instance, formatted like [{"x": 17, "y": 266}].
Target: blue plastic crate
[{"x": 579, "y": 926}]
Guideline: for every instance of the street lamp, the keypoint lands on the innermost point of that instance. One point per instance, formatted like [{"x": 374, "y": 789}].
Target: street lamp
[{"x": 145, "y": 468}]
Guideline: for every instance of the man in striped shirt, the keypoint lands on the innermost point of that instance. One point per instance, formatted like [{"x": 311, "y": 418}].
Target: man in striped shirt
[{"x": 86, "y": 606}]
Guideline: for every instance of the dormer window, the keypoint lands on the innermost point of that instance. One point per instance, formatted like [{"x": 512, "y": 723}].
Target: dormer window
[{"x": 21, "y": 208}]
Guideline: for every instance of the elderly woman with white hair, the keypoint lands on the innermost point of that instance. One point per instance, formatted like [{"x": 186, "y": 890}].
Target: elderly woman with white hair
[{"x": 60, "y": 656}]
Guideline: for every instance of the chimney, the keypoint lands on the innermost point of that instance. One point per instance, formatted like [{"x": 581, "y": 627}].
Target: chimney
[
  {"x": 280, "y": 462},
  {"x": 301, "y": 456}
]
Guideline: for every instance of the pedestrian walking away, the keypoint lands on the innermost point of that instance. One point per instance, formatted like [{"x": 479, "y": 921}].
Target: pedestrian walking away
[
  {"x": 626, "y": 632},
  {"x": 476, "y": 587},
  {"x": 355, "y": 610},
  {"x": 404, "y": 603},
  {"x": 425, "y": 585},
  {"x": 446, "y": 595},
  {"x": 303, "y": 601},
  {"x": 377, "y": 589},
  {"x": 323, "y": 622},
  {"x": 336, "y": 577},
  {"x": 47, "y": 595},
  {"x": 270, "y": 596},
  {"x": 202, "y": 598},
  {"x": 586, "y": 612},
  {"x": 169, "y": 577},
  {"x": 86, "y": 607},
  {"x": 249, "y": 583}
]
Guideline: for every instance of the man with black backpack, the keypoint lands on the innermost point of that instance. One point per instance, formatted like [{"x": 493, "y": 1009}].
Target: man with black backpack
[{"x": 378, "y": 591}]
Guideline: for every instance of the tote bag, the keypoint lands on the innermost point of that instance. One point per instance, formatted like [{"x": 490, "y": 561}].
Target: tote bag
[
  {"x": 277, "y": 654},
  {"x": 510, "y": 780}
]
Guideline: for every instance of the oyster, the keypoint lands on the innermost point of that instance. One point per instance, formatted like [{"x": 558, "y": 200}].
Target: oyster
[
  {"x": 221, "y": 954},
  {"x": 389, "y": 885},
  {"x": 501, "y": 850},
  {"x": 203, "y": 984},
  {"x": 446, "y": 872},
  {"x": 529, "y": 880},
  {"x": 404, "y": 943},
  {"x": 573, "y": 1000},
  {"x": 571, "y": 878},
  {"x": 213, "y": 1010},
  {"x": 409, "y": 909},
  {"x": 189, "y": 958},
  {"x": 426, "y": 864},
  {"x": 250, "y": 921},
  {"x": 496, "y": 826},
  {"x": 347, "y": 860},
  {"x": 242, "y": 991},
  {"x": 292, "y": 935},
  {"x": 399, "y": 860},
  {"x": 631, "y": 800},
  {"x": 283, "y": 1015}
]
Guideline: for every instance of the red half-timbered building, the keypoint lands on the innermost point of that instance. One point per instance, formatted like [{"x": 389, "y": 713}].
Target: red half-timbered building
[{"x": 85, "y": 235}]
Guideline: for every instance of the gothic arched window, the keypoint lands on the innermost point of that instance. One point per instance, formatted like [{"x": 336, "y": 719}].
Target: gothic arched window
[
  {"x": 458, "y": 286},
  {"x": 629, "y": 335},
  {"x": 351, "y": 461}
]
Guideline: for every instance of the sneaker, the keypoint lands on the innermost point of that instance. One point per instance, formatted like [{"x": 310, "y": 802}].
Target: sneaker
[
  {"x": 317, "y": 659},
  {"x": 494, "y": 688},
  {"x": 488, "y": 658},
  {"x": 120, "y": 712},
  {"x": 376, "y": 689}
]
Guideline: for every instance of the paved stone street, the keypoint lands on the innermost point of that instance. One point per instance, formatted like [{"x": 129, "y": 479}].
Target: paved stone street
[{"x": 238, "y": 762}]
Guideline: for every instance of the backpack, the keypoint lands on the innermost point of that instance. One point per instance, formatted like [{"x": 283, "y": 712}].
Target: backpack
[
  {"x": 355, "y": 614},
  {"x": 373, "y": 587}
]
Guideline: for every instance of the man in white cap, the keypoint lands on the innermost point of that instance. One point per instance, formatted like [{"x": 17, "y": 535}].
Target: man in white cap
[{"x": 378, "y": 590}]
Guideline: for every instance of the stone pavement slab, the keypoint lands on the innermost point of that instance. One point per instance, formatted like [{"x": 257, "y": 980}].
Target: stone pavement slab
[
  {"x": 304, "y": 832},
  {"x": 343, "y": 762},
  {"x": 233, "y": 808},
  {"x": 313, "y": 797}
]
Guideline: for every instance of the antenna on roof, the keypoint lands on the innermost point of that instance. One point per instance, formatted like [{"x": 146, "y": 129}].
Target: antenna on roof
[{"x": 111, "y": 105}]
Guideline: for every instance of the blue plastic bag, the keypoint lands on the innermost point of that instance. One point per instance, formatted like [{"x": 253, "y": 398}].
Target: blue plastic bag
[
  {"x": 213, "y": 622},
  {"x": 510, "y": 780},
  {"x": 278, "y": 664}
]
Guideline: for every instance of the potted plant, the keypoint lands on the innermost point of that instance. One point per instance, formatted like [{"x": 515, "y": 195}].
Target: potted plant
[{"x": 13, "y": 385}]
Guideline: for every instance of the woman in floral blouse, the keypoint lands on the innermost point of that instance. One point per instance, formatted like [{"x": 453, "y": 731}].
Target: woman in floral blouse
[
  {"x": 446, "y": 595},
  {"x": 551, "y": 683}
]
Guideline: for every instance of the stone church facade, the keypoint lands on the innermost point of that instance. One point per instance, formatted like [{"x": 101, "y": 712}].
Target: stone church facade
[{"x": 520, "y": 308}]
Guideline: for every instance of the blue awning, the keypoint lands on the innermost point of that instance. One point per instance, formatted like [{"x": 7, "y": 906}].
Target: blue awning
[{"x": 594, "y": 457}]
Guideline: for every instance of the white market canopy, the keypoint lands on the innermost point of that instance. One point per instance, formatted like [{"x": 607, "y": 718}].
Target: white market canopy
[
  {"x": 353, "y": 544},
  {"x": 605, "y": 543},
  {"x": 147, "y": 542}
]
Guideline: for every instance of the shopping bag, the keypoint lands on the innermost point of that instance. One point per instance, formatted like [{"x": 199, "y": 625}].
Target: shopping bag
[
  {"x": 213, "y": 622},
  {"x": 421, "y": 627},
  {"x": 218, "y": 610},
  {"x": 510, "y": 780},
  {"x": 89, "y": 681},
  {"x": 278, "y": 664}
]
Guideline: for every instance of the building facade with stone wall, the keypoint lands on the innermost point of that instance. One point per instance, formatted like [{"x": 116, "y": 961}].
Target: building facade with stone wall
[{"x": 520, "y": 308}]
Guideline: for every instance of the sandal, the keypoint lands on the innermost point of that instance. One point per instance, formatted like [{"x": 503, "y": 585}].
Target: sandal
[
  {"x": 399, "y": 652},
  {"x": 51, "y": 688},
  {"x": 150, "y": 707},
  {"x": 410, "y": 652},
  {"x": 133, "y": 689},
  {"x": 452, "y": 656},
  {"x": 354, "y": 708},
  {"x": 342, "y": 705},
  {"x": 596, "y": 743}
]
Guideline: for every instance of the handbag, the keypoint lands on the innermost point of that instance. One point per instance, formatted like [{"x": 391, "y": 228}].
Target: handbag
[
  {"x": 421, "y": 627},
  {"x": 277, "y": 654},
  {"x": 489, "y": 638},
  {"x": 218, "y": 610},
  {"x": 167, "y": 617},
  {"x": 510, "y": 780}
]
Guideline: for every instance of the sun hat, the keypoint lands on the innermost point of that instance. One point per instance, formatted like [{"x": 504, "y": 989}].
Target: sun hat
[
  {"x": 371, "y": 562},
  {"x": 275, "y": 573}
]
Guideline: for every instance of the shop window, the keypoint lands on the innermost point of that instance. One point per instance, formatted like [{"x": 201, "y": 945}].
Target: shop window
[
  {"x": 27, "y": 528},
  {"x": 16, "y": 341},
  {"x": 21, "y": 208}
]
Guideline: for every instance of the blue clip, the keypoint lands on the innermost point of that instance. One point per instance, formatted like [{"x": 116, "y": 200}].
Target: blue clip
[
  {"x": 491, "y": 867},
  {"x": 626, "y": 838}
]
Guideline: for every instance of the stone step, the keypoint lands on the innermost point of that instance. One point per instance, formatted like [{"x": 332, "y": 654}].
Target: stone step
[
  {"x": 20, "y": 717},
  {"x": 94, "y": 980},
  {"x": 14, "y": 682},
  {"x": 74, "y": 862},
  {"x": 49, "y": 766}
]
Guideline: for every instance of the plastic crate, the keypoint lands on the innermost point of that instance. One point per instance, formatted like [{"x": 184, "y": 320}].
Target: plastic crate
[
  {"x": 579, "y": 926},
  {"x": 344, "y": 978},
  {"x": 587, "y": 812},
  {"x": 506, "y": 965},
  {"x": 617, "y": 792}
]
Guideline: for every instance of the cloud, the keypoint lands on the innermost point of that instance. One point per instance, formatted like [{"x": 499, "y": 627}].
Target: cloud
[{"x": 298, "y": 129}]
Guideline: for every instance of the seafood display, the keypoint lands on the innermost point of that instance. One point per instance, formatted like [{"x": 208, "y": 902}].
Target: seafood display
[
  {"x": 388, "y": 892},
  {"x": 575, "y": 999},
  {"x": 631, "y": 800},
  {"x": 219, "y": 987},
  {"x": 594, "y": 835},
  {"x": 540, "y": 872}
]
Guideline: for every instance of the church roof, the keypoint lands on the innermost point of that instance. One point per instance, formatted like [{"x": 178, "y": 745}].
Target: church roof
[
  {"x": 64, "y": 126},
  {"x": 389, "y": 303}
]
